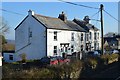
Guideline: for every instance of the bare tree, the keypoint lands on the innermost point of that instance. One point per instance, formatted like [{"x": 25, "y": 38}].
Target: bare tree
[{"x": 4, "y": 28}]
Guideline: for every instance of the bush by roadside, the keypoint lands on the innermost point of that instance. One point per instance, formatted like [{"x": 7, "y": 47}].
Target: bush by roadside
[
  {"x": 65, "y": 71},
  {"x": 109, "y": 58}
]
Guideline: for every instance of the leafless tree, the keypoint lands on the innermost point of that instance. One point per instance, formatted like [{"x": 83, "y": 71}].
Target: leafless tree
[{"x": 4, "y": 28}]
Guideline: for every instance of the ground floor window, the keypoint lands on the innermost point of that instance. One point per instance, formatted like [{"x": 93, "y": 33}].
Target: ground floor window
[
  {"x": 10, "y": 57},
  {"x": 55, "y": 50},
  {"x": 81, "y": 47},
  {"x": 72, "y": 48}
]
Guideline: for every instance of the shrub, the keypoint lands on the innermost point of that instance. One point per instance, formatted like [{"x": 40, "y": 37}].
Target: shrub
[
  {"x": 92, "y": 62},
  {"x": 109, "y": 58},
  {"x": 67, "y": 71},
  {"x": 23, "y": 57}
]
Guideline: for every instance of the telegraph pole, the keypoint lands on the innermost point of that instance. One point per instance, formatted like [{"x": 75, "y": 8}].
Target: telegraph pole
[{"x": 102, "y": 42}]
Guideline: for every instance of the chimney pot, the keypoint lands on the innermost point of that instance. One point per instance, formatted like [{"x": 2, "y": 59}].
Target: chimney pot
[
  {"x": 87, "y": 19},
  {"x": 30, "y": 12},
  {"x": 62, "y": 16}
]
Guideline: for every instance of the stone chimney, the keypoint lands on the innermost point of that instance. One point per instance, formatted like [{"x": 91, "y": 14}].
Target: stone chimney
[
  {"x": 30, "y": 12},
  {"x": 87, "y": 19},
  {"x": 62, "y": 16}
]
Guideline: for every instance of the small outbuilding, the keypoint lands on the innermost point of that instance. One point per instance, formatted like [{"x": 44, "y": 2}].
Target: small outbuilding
[{"x": 9, "y": 56}]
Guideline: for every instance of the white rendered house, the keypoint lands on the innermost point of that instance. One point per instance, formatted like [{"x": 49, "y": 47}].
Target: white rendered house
[
  {"x": 93, "y": 40},
  {"x": 38, "y": 36}
]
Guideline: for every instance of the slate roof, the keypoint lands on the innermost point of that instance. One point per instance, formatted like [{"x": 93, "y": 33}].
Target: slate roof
[
  {"x": 86, "y": 26},
  {"x": 112, "y": 39},
  {"x": 74, "y": 26},
  {"x": 56, "y": 23}
]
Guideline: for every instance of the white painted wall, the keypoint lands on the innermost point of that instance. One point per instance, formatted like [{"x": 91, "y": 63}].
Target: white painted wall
[
  {"x": 97, "y": 41},
  {"x": 63, "y": 36},
  {"x": 6, "y": 57},
  {"x": 34, "y": 47},
  {"x": 1, "y": 59}
]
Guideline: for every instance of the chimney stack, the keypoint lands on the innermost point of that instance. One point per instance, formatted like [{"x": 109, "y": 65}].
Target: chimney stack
[
  {"x": 30, "y": 12},
  {"x": 86, "y": 19},
  {"x": 62, "y": 17}
]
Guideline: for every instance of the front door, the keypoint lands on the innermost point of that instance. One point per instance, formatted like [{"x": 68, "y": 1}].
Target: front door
[{"x": 64, "y": 47}]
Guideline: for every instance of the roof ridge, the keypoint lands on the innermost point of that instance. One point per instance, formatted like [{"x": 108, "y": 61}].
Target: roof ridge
[{"x": 46, "y": 16}]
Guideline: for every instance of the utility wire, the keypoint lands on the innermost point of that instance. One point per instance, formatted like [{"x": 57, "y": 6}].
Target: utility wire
[
  {"x": 111, "y": 16},
  {"x": 12, "y": 12},
  {"x": 98, "y": 18},
  {"x": 91, "y": 18},
  {"x": 95, "y": 14},
  {"x": 78, "y": 4}
]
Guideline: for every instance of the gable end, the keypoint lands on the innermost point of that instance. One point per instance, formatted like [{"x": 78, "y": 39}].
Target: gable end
[
  {"x": 21, "y": 22},
  {"x": 39, "y": 21}
]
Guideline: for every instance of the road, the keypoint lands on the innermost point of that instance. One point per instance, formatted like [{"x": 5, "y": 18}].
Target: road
[{"x": 111, "y": 72}]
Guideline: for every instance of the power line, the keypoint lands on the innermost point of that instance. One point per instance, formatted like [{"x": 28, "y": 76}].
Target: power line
[
  {"x": 95, "y": 20},
  {"x": 12, "y": 12},
  {"x": 95, "y": 14},
  {"x": 78, "y": 4},
  {"x": 111, "y": 16}
]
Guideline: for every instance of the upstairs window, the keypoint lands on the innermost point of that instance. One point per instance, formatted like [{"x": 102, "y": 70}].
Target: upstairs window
[
  {"x": 98, "y": 35},
  {"x": 29, "y": 35},
  {"x": 95, "y": 35},
  {"x": 10, "y": 57},
  {"x": 55, "y": 50},
  {"x": 30, "y": 32},
  {"x": 82, "y": 37},
  {"x": 55, "y": 35},
  {"x": 87, "y": 37},
  {"x": 90, "y": 35},
  {"x": 72, "y": 36}
]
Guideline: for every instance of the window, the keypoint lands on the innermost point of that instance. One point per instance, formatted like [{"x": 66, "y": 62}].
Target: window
[
  {"x": 10, "y": 57},
  {"x": 72, "y": 48},
  {"x": 90, "y": 35},
  {"x": 98, "y": 45},
  {"x": 55, "y": 35},
  {"x": 72, "y": 36},
  {"x": 95, "y": 35},
  {"x": 30, "y": 33},
  {"x": 87, "y": 37},
  {"x": 61, "y": 49},
  {"x": 66, "y": 49},
  {"x": 81, "y": 47},
  {"x": 55, "y": 50},
  {"x": 82, "y": 37},
  {"x": 98, "y": 35},
  {"x": 95, "y": 46}
]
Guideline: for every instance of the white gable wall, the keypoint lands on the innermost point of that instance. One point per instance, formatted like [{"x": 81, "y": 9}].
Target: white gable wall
[{"x": 34, "y": 47}]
